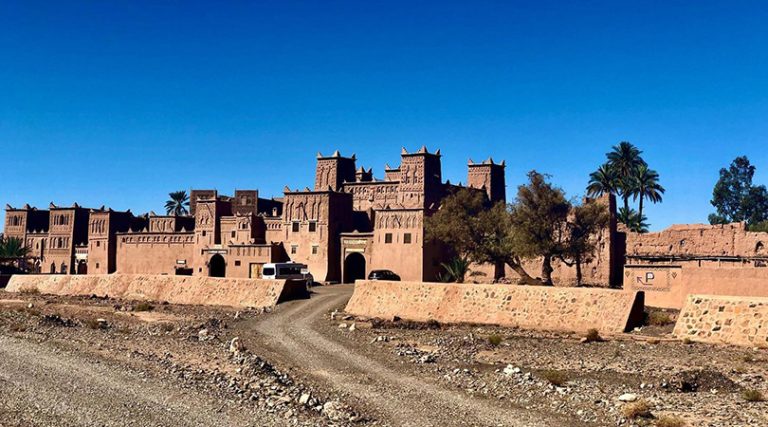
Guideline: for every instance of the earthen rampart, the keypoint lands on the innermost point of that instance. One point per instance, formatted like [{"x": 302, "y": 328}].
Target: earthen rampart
[
  {"x": 530, "y": 307},
  {"x": 724, "y": 320},
  {"x": 174, "y": 289}
]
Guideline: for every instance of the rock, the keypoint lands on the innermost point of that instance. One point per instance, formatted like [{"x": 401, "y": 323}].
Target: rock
[
  {"x": 304, "y": 399},
  {"x": 236, "y": 346},
  {"x": 342, "y": 326},
  {"x": 584, "y": 340},
  {"x": 427, "y": 358},
  {"x": 203, "y": 335},
  {"x": 334, "y": 410},
  {"x": 352, "y": 327},
  {"x": 511, "y": 370},
  {"x": 30, "y": 305},
  {"x": 346, "y": 317},
  {"x": 628, "y": 397},
  {"x": 237, "y": 315}
]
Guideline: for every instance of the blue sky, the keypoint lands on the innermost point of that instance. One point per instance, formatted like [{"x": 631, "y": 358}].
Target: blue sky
[{"x": 119, "y": 103}]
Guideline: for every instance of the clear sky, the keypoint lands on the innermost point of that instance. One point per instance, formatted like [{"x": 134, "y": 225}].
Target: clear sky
[{"x": 118, "y": 103}]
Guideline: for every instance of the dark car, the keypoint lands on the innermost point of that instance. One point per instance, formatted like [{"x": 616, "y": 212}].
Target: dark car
[{"x": 383, "y": 275}]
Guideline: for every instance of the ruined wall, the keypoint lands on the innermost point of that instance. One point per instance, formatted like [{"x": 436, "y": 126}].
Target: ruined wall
[
  {"x": 155, "y": 253},
  {"x": 174, "y": 289},
  {"x": 724, "y": 320},
  {"x": 668, "y": 286},
  {"x": 699, "y": 240},
  {"x": 530, "y": 307}
]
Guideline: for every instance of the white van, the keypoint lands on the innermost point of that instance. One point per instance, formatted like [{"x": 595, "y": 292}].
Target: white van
[{"x": 287, "y": 270}]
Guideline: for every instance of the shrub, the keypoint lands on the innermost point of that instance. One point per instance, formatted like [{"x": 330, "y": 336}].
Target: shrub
[
  {"x": 143, "y": 306},
  {"x": 95, "y": 324},
  {"x": 752, "y": 395},
  {"x": 556, "y": 378},
  {"x": 659, "y": 318},
  {"x": 639, "y": 409},
  {"x": 593, "y": 336},
  {"x": 669, "y": 421},
  {"x": 17, "y": 327},
  {"x": 494, "y": 340},
  {"x": 29, "y": 291},
  {"x": 687, "y": 341}
]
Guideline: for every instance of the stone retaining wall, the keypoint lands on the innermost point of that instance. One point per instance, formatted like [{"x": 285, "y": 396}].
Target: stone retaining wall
[
  {"x": 174, "y": 289},
  {"x": 530, "y": 307},
  {"x": 724, "y": 320}
]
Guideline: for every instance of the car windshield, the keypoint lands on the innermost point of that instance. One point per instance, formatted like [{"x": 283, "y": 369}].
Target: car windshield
[{"x": 269, "y": 271}]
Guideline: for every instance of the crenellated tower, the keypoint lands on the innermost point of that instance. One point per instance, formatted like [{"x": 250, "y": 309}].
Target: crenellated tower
[
  {"x": 488, "y": 176},
  {"x": 334, "y": 171}
]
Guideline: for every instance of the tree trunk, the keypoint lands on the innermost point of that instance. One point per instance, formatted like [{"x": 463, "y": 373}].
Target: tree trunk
[
  {"x": 546, "y": 270},
  {"x": 578, "y": 271},
  {"x": 640, "y": 207},
  {"x": 626, "y": 202},
  {"x": 525, "y": 278}
]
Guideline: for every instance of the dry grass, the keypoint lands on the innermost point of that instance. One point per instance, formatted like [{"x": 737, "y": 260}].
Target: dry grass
[
  {"x": 494, "y": 340},
  {"x": 593, "y": 336},
  {"x": 556, "y": 378},
  {"x": 143, "y": 306},
  {"x": 670, "y": 421},
  {"x": 17, "y": 327},
  {"x": 659, "y": 318},
  {"x": 29, "y": 291},
  {"x": 639, "y": 409},
  {"x": 752, "y": 395}
]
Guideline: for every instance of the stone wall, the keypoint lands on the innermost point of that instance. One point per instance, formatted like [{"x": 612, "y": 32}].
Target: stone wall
[
  {"x": 174, "y": 289},
  {"x": 668, "y": 286},
  {"x": 530, "y": 307},
  {"x": 699, "y": 241},
  {"x": 724, "y": 320}
]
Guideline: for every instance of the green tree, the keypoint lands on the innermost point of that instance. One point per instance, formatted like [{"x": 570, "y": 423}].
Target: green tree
[
  {"x": 13, "y": 247},
  {"x": 624, "y": 159},
  {"x": 584, "y": 223},
  {"x": 633, "y": 220},
  {"x": 178, "y": 204},
  {"x": 602, "y": 181},
  {"x": 538, "y": 217},
  {"x": 647, "y": 186},
  {"x": 455, "y": 270},
  {"x": 735, "y": 198}
]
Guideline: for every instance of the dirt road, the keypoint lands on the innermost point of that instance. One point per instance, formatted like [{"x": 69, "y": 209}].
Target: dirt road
[
  {"x": 43, "y": 385},
  {"x": 298, "y": 334}
]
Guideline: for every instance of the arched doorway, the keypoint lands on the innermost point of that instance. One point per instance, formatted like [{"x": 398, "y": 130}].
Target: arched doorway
[
  {"x": 82, "y": 267},
  {"x": 53, "y": 268},
  {"x": 354, "y": 267},
  {"x": 217, "y": 267}
]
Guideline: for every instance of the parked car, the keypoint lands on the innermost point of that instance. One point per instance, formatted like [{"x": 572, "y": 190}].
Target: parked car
[
  {"x": 287, "y": 270},
  {"x": 383, "y": 275}
]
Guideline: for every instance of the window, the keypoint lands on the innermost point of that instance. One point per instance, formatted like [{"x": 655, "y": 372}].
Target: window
[
  {"x": 388, "y": 238},
  {"x": 269, "y": 271},
  {"x": 203, "y": 233},
  {"x": 234, "y": 233},
  {"x": 237, "y": 263},
  {"x": 313, "y": 226},
  {"x": 98, "y": 243},
  {"x": 294, "y": 249},
  {"x": 407, "y": 238},
  {"x": 97, "y": 265},
  {"x": 314, "y": 249},
  {"x": 295, "y": 227}
]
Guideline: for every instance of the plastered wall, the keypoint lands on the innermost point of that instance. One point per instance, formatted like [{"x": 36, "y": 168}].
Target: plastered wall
[
  {"x": 174, "y": 289},
  {"x": 531, "y": 307},
  {"x": 739, "y": 321}
]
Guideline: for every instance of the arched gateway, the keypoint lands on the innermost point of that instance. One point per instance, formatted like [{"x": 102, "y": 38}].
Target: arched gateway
[
  {"x": 217, "y": 267},
  {"x": 354, "y": 267}
]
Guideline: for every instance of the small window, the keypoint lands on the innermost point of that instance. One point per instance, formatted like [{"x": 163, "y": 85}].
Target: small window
[
  {"x": 294, "y": 249},
  {"x": 407, "y": 238},
  {"x": 203, "y": 233},
  {"x": 98, "y": 243},
  {"x": 388, "y": 238},
  {"x": 312, "y": 226},
  {"x": 237, "y": 263},
  {"x": 295, "y": 227},
  {"x": 97, "y": 265},
  {"x": 234, "y": 234},
  {"x": 314, "y": 249}
]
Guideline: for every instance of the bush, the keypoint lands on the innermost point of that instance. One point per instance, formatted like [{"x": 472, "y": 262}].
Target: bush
[
  {"x": 669, "y": 421},
  {"x": 639, "y": 409},
  {"x": 752, "y": 395},
  {"x": 593, "y": 336},
  {"x": 556, "y": 378},
  {"x": 494, "y": 340},
  {"x": 659, "y": 318},
  {"x": 143, "y": 306},
  {"x": 687, "y": 341},
  {"x": 29, "y": 291}
]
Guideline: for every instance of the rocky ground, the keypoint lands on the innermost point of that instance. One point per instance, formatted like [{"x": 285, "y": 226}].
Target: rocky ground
[{"x": 92, "y": 361}]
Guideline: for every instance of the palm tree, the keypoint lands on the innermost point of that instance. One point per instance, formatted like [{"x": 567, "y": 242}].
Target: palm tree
[
  {"x": 646, "y": 186},
  {"x": 624, "y": 159},
  {"x": 13, "y": 247},
  {"x": 177, "y": 204},
  {"x": 455, "y": 270},
  {"x": 602, "y": 181},
  {"x": 633, "y": 220}
]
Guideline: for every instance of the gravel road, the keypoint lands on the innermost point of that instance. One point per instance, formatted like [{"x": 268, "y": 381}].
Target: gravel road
[
  {"x": 297, "y": 334},
  {"x": 42, "y": 385}
]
